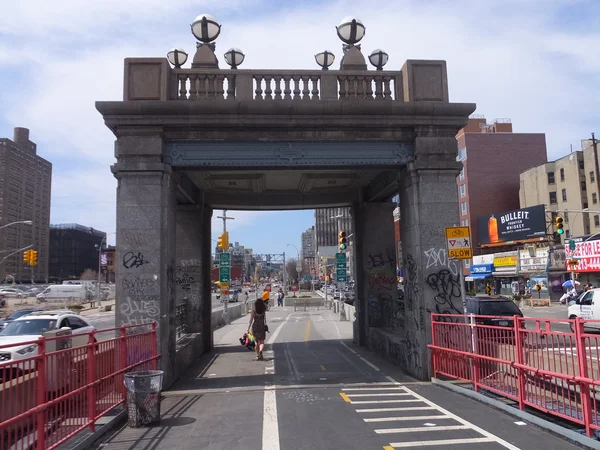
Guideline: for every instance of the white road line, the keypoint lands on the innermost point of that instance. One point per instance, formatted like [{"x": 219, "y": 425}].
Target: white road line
[
  {"x": 368, "y": 363},
  {"x": 419, "y": 429},
  {"x": 394, "y": 419},
  {"x": 270, "y": 431},
  {"x": 366, "y": 402},
  {"x": 440, "y": 442},
  {"x": 393, "y": 394},
  {"x": 462, "y": 421},
  {"x": 366, "y": 388}
]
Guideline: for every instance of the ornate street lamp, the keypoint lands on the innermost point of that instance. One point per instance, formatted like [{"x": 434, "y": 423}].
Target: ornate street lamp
[
  {"x": 234, "y": 57},
  {"x": 350, "y": 30},
  {"x": 177, "y": 57},
  {"x": 325, "y": 59},
  {"x": 206, "y": 28},
  {"x": 378, "y": 58}
]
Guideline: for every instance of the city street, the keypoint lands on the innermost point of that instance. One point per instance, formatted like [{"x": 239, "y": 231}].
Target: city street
[{"x": 316, "y": 390}]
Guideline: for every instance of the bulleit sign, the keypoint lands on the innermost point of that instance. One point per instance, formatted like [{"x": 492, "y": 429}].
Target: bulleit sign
[{"x": 510, "y": 226}]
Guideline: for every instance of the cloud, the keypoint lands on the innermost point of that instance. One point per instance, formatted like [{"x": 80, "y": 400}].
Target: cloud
[{"x": 513, "y": 58}]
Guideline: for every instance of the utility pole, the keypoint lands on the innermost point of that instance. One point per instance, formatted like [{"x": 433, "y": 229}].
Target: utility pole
[{"x": 225, "y": 297}]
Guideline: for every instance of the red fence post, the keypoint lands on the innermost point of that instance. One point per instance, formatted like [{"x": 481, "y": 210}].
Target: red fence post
[
  {"x": 584, "y": 387},
  {"x": 475, "y": 368},
  {"x": 42, "y": 388},
  {"x": 520, "y": 360},
  {"x": 91, "y": 378},
  {"x": 154, "y": 346},
  {"x": 123, "y": 359},
  {"x": 433, "y": 343}
]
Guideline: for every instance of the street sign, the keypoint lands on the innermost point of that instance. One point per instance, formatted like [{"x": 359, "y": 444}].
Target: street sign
[
  {"x": 458, "y": 243},
  {"x": 307, "y": 278},
  {"x": 225, "y": 268},
  {"x": 104, "y": 259},
  {"x": 340, "y": 265}
]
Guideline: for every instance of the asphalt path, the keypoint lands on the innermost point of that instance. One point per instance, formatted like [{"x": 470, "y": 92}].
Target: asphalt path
[{"x": 316, "y": 390}]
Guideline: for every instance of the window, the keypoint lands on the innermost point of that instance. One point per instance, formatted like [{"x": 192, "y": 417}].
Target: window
[
  {"x": 594, "y": 198},
  {"x": 581, "y": 164},
  {"x": 553, "y": 198},
  {"x": 461, "y": 175},
  {"x": 463, "y": 190},
  {"x": 463, "y": 208},
  {"x": 585, "y": 205},
  {"x": 464, "y": 223},
  {"x": 562, "y": 174},
  {"x": 550, "y": 177},
  {"x": 467, "y": 263},
  {"x": 566, "y": 216},
  {"x": 592, "y": 176},
  {"x": 564, "y": 194},
  {"x": 462, "y": 154},
  {"x": 583, "y": 186},
  {"x": 597, "y": 220}
]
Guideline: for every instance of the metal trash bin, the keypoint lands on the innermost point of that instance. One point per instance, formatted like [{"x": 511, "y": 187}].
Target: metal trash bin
[{"x": 143, "y": 397}]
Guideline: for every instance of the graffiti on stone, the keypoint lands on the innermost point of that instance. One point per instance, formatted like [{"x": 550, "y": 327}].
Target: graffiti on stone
[
  {"x": 190, "y": 262},
  {"x": 411, "y": 282},
  {"x": 439, "y": 258},
  {"x": 133, "y": 260},
  {"x": 133, "y": 238},
  {"x": 446, "y": 287}
]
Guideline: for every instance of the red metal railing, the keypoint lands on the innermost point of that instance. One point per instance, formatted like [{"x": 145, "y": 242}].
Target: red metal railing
[
  {"x": 529, "y": 361},
  {"x": 67, "y": 383}
]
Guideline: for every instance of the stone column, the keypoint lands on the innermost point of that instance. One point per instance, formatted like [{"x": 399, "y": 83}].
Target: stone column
[
  {"x": 144, "y": 260},
  {"x": 189, "y": 266},
  {"x": 207, "y": 214},
  {"x": 375, "y": 268},
  {"x": 428, "y": 204}
]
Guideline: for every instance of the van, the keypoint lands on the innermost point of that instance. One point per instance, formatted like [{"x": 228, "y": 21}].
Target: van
[
  {"x": 586, "y": 306},
  {"x": 63, "y": 291}
]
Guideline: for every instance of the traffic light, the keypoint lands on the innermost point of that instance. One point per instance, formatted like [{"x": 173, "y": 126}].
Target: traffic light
[
  {"x": 342, "y": 240},
  {"x": 27, "y": 256},
  {"x": 33, "y": 258},
  {"x": 223, "y": 241},
  {"x": 559, "y": 225}
]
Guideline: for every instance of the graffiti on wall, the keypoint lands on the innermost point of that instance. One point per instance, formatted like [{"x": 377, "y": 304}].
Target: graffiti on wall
[
  {"x": 188, "y": 288},
  {"x": 411, "y": 281},
  {"x": 133, "y": 260},
  {"x": 381, "y": 280}
]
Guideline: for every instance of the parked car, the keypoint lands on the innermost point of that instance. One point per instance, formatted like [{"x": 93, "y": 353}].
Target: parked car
[
  {"x": 503, "y": 308},
  {"x": 16, "y": 315},
  {"x": 11, "y": 293},
  {"x": 30, "y": 327},
  {"x": 349, "y": 298}
]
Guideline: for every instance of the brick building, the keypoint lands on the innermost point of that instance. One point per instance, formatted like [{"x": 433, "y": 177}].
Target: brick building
[
  {"x": 25, "y": 185},
  {"x": 493, "y": 158}
]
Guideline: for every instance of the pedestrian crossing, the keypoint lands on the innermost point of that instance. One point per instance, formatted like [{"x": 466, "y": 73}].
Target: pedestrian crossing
[{"x": 409, "y": 420}]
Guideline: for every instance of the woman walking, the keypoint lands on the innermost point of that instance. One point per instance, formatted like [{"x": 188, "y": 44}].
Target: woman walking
[{"x": 258, "y": 323}]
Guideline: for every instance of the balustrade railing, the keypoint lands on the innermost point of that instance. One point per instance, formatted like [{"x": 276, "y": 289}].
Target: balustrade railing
[{"x": 201, "y": 84}]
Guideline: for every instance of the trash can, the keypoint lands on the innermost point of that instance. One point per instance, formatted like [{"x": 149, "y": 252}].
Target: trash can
[{"x": 143, "y": 397}]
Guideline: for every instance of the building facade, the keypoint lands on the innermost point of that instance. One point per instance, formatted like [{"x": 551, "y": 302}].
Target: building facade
[
  {"x": 73, "y": 249},
  {"x": 493, "y": 158},
  {"x": 308, "y": 243},
  {"x": 326, "y": 227},
  {"x": 561, "y": 185},
  {"x": 25, "y": 187}
]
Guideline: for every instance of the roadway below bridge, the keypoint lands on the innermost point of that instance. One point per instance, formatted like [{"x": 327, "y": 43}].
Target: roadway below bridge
[{"x": 316, "y": 390}]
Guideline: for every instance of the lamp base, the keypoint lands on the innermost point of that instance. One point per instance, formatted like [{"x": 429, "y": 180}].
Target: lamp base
[{"x": 205, "y": 57}]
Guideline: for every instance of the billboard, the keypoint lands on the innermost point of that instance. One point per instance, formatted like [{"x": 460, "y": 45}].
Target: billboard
[
  {"x": 517, "y": 225},
  {"x": 587, "y": 254}
]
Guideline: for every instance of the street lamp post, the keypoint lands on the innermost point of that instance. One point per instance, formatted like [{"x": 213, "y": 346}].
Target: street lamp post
[
  {"x": 24, "y": 222},
  {"x": 18, "y": 222},
  {"x": 99, "y": 281}
]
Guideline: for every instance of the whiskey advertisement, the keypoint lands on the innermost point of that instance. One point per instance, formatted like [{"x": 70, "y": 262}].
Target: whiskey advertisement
[{"x": 511, "y": 226}]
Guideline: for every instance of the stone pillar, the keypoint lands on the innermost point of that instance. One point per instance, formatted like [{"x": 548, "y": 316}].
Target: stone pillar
[
  {"x": 189, "y": 266},
  {"x": 375, "y": 269},
  {"x": 144, "y": 260},
  {"x": 428, "y": 204},
  {"x": 207, "y": 214}
]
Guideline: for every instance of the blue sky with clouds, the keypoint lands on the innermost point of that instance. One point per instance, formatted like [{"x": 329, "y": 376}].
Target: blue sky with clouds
[{"x": 534, "y": 61}]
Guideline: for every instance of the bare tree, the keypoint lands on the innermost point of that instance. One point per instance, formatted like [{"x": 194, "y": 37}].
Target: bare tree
[
  {"x": 89, "y": 275},
  {"x": 290, "y": 268}
]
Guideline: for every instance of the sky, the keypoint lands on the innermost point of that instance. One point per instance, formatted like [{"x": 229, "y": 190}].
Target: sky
[{"x": 533, "y": 61}]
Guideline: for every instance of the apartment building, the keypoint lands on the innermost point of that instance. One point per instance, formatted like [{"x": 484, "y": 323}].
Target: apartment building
[
  {"x": 493, "y": 158},
  {"x": 308, "y": 243},
  {"x": 561, "y": 185},
  {"x": 73, "y": 249},
  {"x": 25, "y": 186},
  {"x": 326, "y": 227}
]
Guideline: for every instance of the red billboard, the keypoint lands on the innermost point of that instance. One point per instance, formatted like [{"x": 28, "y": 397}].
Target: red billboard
[{"x": 587, "y": 254}]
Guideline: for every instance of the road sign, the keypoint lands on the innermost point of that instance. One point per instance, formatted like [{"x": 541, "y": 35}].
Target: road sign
[
  {"x": 225, "y": 268},
  {"x": 340, "y": 265},
  {"x": 307, "y": 278},
  {"x": 458, "y": 243}
]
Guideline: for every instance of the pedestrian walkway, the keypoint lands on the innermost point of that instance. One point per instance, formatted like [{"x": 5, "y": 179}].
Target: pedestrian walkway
[{"x": 316, "y": 390}]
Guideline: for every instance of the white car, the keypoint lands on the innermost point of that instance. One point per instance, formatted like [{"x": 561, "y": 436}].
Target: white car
[
  {"x": 11, "y": 292},
  {"x": 14, "y": 337}
]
